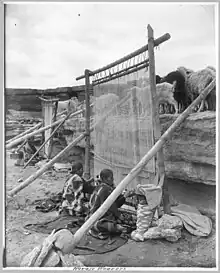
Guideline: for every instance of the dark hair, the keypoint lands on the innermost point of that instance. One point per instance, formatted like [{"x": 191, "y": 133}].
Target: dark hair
[
  {"x": 76, "y": 167},
  {"x": 105, "y": 173}
]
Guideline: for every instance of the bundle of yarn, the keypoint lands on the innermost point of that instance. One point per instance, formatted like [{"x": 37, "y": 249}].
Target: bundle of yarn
[
  {"x": 146, "y": 212},
  {"x": 144, "y": 219}
]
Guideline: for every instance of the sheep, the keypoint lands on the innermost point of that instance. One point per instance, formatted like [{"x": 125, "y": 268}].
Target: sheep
[
  {"x": 180, "y": 92},
  {"x": 164, "y": 92},
  {"x": 158, "y": 79},
  {"x": 164, "y": 108},
  {"x": 196, "y": 82}
]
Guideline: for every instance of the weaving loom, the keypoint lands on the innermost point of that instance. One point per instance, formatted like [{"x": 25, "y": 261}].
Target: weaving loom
[{"x": 126, "y": 135}]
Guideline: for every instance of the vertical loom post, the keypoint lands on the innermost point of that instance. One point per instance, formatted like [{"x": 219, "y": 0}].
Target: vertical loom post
[
  {"x": 48, "y": 117},
  {"x": 135, "y": 127},
  {"x": 54, "y": 118},
  {"x": 156, "y": 120},
  {"x": 87, "y": 125}
]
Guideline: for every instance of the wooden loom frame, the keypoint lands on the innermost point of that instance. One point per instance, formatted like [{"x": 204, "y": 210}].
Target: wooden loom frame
[{"x": 160, "y": 168}]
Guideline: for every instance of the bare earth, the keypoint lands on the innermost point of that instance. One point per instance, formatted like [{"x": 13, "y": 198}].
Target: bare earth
[{"x": 189, "y": 251}]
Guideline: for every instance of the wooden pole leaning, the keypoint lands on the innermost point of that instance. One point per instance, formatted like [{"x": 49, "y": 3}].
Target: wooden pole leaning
[
  {"x": 26, "y": 132},
  {"x": 156, "y": 121},
  {"x": 53, "y": 133},
  {"x": 17, "y": 141},
  {"x": 87, "y": 125},
  {"x": 137, "y": 169},
  {"x": 31, "y": 129}
]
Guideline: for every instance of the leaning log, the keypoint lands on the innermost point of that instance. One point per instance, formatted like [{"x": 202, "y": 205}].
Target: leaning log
[
  {"x": 24, "y": 133},
  {"x": 17, "y": 141},
  {"x": 137, "y": 169}
]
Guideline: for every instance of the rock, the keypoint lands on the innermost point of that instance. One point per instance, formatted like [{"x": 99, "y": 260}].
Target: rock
[
  {"x": 62, "y": 167},
  {"x": 190, "y": 153},
  {"x": 168, "y": 222},
  {"x": 169, "y": 227},
  {"x": 171, "y": 235},
  {"x": 153, "y": 233}
]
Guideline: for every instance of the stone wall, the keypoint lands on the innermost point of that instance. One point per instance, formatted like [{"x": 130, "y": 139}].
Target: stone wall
[{"x": 190, "y": 153}]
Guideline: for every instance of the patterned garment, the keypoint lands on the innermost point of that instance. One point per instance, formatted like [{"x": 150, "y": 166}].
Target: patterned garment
[
  {"x": 73, "y": 196},
  {"x": 108, "y": 224},
  {"x": 127, "y": 218}
]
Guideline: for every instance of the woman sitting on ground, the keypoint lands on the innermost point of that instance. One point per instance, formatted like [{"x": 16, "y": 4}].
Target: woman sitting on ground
[
  {"x": 108, "y": 223},
  {"x": 74, "y": 190}
]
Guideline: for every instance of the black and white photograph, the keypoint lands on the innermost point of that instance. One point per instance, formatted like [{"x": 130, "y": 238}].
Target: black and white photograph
[{"x": 110, "y": 135}]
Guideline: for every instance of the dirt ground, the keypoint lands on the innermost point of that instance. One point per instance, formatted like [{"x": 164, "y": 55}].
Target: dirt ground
[{"x": 189, "y": 251}]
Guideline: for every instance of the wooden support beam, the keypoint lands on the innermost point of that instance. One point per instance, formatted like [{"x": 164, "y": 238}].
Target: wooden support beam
[
  {"x": 157, "y": 42},
  {"x": 26, "y": 132},
  {"x": 137, "y": 169},
  {"x": 31, "y": 129},
  {"x": 156, "y": 121},
  {"x": 17, "y": 141},
  {"x": 87, "y": 125}
]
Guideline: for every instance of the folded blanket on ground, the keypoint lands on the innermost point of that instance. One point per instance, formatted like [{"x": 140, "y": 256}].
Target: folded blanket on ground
[{"x": 194, "y": 222}]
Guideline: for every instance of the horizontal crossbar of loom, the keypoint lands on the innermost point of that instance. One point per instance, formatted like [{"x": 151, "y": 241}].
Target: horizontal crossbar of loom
[
  {"x": 157, "y": 42},
  {"x": 121, "y": 75},
  {"x": 121, "y": 72}
]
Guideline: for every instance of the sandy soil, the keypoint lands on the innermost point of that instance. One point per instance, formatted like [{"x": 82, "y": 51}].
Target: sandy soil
[{"x": 189, "y": 251}]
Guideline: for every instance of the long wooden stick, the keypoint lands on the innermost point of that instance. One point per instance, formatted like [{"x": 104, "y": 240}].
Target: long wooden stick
[
  {"x": 137, "y": 169},
  {"x": 31, "y": 129},
  {"x": 157, "y": 42},
  {"x": 61, "y": 123},
  {"x": 26, "y": 132},
  {"x": 156, "y": 121},
  {"x": 17, "y": 141},
  {"x": 21, "y": 146}
]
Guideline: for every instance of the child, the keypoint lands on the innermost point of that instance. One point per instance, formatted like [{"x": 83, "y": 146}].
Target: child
[
  {"x": 74, "y": 190},
  {"x": 77, "y": 168}
]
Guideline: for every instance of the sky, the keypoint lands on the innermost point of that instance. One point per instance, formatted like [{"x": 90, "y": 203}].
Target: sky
[{"x": 48, "y": 45}]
